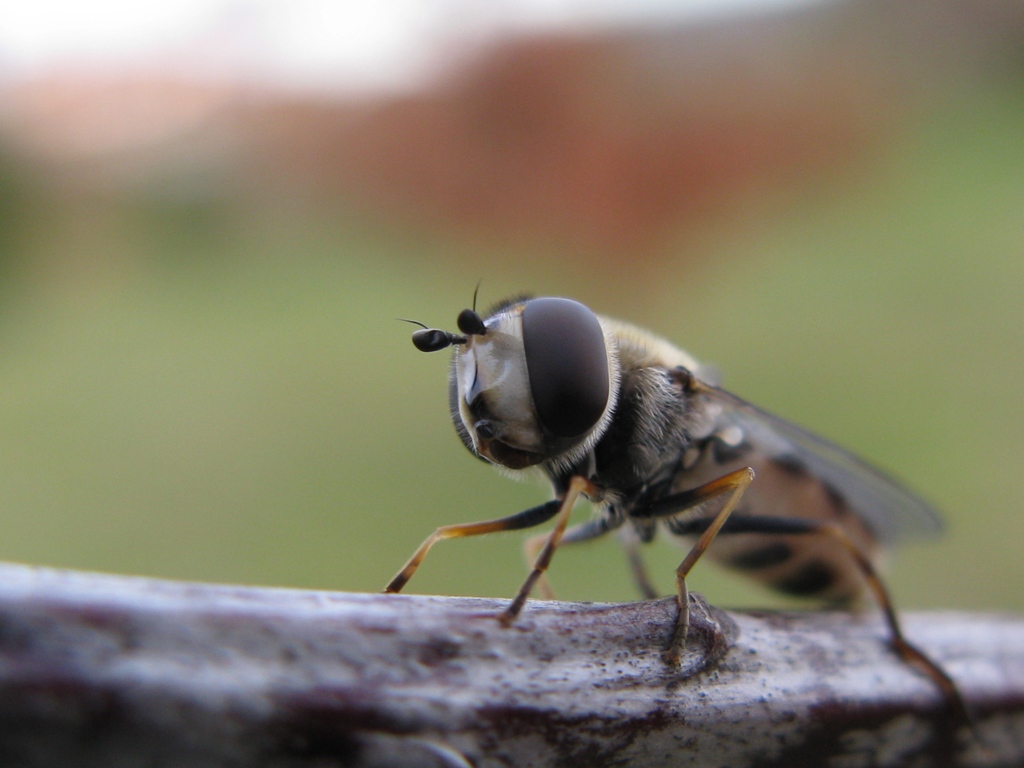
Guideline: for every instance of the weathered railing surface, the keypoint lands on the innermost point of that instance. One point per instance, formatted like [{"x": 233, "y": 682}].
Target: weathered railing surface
[{"x": 115, "y": 671}]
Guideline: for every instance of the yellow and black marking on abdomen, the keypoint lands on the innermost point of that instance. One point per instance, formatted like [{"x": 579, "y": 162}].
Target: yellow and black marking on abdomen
[{"x": 806, "y": 564}]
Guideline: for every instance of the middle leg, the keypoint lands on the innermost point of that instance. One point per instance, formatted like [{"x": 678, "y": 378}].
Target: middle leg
[{"x": 733, "y": 485}]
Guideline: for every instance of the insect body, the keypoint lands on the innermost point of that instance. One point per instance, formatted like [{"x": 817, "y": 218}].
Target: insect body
[{"x": 622, "y": 417}]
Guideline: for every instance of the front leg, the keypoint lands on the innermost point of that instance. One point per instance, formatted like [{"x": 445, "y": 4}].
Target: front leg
[
  {"x": 526, "y": 519},
  {"x": 577, "y": 485},
  {"x": 585, "y": 531},
  {"x": 557, "y": 508}
]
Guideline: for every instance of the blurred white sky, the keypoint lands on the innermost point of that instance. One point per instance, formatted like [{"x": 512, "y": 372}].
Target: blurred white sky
[{"x": 337, "y": 44}]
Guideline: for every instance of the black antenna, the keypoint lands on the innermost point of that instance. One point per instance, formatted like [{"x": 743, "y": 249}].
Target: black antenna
[
  {"x": 476, "y": 291},
  {"x": 470, "y": 323},
  {"x": 432, "y": 339},
  {"x": 414, "y": 322}
]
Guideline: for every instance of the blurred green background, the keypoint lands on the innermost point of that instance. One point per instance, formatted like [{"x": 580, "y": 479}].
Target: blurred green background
[{"x": 212, "y": 385}]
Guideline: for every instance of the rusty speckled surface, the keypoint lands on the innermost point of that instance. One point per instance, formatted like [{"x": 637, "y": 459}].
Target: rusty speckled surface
[{"x": 105, "y": 670}]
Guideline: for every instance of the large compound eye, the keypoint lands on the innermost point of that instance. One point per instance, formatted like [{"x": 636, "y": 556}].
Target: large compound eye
[{"x": 567, "y": 364}]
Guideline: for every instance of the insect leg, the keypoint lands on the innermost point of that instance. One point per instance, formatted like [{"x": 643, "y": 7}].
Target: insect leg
[
  {"x": 631, "y": 545},
  {"x": 734, "y": 484},
  {"x": 585, "y": 531},
  {"x": 531, "y": 548},
  {"x": 525, "y": 519},
  {"x": 577, "y": 485},
  {"x": 906, "y": 650}
]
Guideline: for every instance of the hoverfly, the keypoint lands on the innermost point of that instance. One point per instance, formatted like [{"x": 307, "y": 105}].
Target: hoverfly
[{"x": 624, "y": 418}]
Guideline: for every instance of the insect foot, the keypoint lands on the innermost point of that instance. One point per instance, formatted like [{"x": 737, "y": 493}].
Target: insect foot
[{"x": 710, "y": 634}]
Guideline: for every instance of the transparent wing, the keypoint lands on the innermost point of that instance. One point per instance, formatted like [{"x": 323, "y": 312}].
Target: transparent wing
[{"x": 892, "y": 512}]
